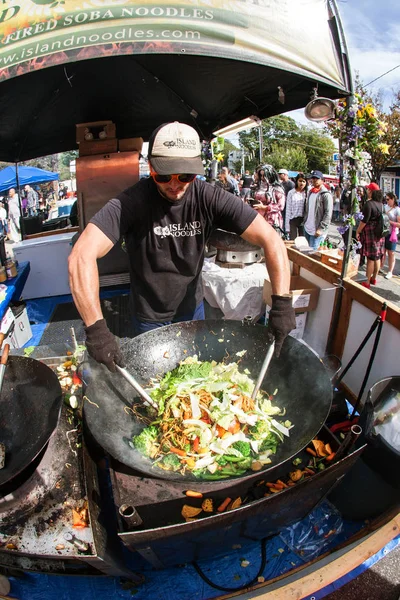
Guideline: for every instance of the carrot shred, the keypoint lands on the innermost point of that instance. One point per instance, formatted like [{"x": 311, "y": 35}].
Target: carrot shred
[
  {"x": 281, "y": 483},
  {"x": 311, "y": 451},
  {"x": 330, "y": 457},
  {"x": 177, "y": 451},
  {"x": 224, "y": 505}
]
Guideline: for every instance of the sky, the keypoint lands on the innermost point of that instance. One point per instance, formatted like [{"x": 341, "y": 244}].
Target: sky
[
  {"x": 371, "y": 30},
  {"x": 372, "y": 34}
]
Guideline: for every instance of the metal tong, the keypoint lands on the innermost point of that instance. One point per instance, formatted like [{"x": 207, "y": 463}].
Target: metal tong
[
  {"x": 132, "y": 381},
  {"x": 3, "y": 360},
  {"x": 264, "y": 368}
]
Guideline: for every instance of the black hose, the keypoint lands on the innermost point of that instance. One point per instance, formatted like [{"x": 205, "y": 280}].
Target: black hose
[{"x": 246, "y": 585}]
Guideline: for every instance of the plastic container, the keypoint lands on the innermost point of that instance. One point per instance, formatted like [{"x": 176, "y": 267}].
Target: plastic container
[
  {"x": 11, "y": 269},
  {"x": 3, "y": 274}
]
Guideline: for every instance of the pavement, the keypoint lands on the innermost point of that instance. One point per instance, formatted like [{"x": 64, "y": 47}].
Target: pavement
[
  {"x": 379, "y": 582},
  {"x": 387, "y": 288}
]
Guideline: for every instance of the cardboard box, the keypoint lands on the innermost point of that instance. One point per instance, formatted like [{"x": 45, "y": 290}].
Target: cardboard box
[
  {"x": 301, "y": 320},
  {"x": 98, "y": 147},
  {"x": 130, "y": 144},
  {"x": 16, "y": 327},
  {"x": 108, "y": 127},
  {"x": 304, "y": 294},
  {"x": 334, "y": 260}
]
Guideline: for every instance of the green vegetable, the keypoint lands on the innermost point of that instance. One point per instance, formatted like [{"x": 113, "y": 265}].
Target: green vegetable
[
  {"x": 246, "y": 463},
  {"x": 260, "y": 430},
  {"x": 28, "y": 351},
  {"x": 144, "y": 442},
  {"x": 243, "y": 447},
  {"x": 233, "y": 459},
  {"x": 221, "y": 460},
  {"x": 297, "y": 461},
  {"x": 171, "y": 462},
  {"x": 270, "y": 443}
]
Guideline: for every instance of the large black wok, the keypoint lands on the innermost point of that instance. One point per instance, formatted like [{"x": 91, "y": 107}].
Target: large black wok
[
  {"x": 304, "y": 387},
  {"x": 30, "y": 403}
]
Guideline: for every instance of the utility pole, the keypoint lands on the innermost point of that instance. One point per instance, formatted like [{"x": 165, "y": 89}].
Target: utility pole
[{"x": 260, "y": 139}]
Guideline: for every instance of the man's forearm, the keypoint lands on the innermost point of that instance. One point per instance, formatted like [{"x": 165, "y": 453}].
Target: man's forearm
[
  {"x": 261, "y": 234},
  {"x": 84, "y": 284},
  {"x": 278, "y": 266}
]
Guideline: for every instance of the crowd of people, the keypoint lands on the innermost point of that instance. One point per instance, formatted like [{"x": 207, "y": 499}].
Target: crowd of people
[
  {"x": 307, "y": 205},
  {"x": 40, "y": 201}
]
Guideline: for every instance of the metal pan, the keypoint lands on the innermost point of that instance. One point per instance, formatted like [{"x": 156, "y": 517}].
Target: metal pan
[
  {"x": 304, "y": 388},
  {"x": 30, "y": 404}
]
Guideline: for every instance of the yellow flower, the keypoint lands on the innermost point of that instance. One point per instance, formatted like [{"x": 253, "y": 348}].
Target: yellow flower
[
  {"x": 220, "y": 157},
  {"x": 384, "y": 148},
  {"x": 370, "y": 110}
]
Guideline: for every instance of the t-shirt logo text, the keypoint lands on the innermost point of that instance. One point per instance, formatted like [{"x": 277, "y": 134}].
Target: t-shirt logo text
[{"x": 178, "y": 230}]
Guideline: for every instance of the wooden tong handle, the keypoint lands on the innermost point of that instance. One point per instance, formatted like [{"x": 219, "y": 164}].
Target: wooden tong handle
[
  {"x": 2, "y": 336},
  {"x": 4, "y": 356}
]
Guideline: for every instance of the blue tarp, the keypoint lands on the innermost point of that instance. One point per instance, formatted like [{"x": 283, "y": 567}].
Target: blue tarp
[{"x": 26, "y": 175}]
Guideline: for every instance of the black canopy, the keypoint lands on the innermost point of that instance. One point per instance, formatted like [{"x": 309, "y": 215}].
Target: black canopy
[{"x": 232, "y": 72}]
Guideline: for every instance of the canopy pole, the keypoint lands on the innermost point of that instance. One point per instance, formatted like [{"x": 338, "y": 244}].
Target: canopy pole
[{"x": 21, "y": 218}]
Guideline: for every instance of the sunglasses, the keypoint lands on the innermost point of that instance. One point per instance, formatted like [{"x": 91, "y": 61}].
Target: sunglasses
[{"x": 181, "y": 177}]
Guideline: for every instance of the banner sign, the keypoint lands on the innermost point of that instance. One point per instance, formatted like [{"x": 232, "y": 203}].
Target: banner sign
[{"x": 293, "y": 35}]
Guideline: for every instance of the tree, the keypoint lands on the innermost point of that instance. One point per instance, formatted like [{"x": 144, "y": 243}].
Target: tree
[
  {"x": 65, "y": 160},
  {"x": 287, "y": 156},
  {"x": 388, "y": 151},
  {"x": 319, "y": 148},
  {"x": 287, "y": 144}
]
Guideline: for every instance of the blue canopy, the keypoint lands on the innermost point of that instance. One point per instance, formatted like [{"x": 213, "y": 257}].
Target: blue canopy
[{"x": 26, "y": 175}]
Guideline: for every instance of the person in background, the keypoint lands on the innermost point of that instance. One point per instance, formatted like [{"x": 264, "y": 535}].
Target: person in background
[
  {"x": 372, "y": 244},
  {"x": 287, "y": 185},
  {"x": 336, "y": 203},
  {"x": 246, "y": 182},
  {"x": 393, "y": 212},
  {"x": 295, "y": 207},
  {"x": 317, "y": 212},
  {"x": 3, "y": 220},
  {"x": 226, "y": 182},
  {"x": 345, "y": 200},
  {"x": 166, "y": 221},
  {"x": 14, "y": 216},
  {"x": 33, "y": 200},
  {"x": 269, "y": 196}
]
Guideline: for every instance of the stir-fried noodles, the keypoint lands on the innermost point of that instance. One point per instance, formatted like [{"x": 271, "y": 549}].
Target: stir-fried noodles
[{"x": 208, "y": 424}]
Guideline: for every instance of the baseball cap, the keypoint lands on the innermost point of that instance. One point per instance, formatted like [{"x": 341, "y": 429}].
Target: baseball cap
[
  {"x": 283, "y": 172},
  {"x": 372, "y": 186},
  {"x": 317, "y": 174},
  {"x": 175, "y": 148}
]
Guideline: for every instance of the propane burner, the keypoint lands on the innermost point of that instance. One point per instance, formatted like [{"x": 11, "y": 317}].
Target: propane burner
[
  {"x": 233, "y": 251},
  {"x": 233, "y": 258}
]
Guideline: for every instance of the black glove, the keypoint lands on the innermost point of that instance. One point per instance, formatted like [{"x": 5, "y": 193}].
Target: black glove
[
  {"x": 281, "y": 320},
  {"x": 102, "y": 345}
]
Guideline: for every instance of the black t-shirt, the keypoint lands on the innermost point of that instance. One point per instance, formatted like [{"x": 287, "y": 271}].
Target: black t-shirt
[
  {"x": 287, "y": 186},
  {"x": 371, "y": 211},
  {"x": 165, "y": 242},
  {"x": 247, "y": 181}
]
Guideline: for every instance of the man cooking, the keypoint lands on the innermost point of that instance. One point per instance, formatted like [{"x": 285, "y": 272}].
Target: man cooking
[{"x": 166, "y": 221}]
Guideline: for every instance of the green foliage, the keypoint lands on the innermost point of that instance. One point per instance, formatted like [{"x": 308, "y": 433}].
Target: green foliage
[
  {"x": 285, "y": 156},
  {"x": 318, "y": 146},
  {"x": 288, "y": 145}
]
